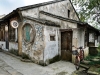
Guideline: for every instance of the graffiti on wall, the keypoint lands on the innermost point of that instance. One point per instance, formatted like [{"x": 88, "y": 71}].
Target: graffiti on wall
[{"x": 39, "y": 32}]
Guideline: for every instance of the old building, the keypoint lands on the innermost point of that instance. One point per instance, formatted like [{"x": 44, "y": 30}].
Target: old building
[{"x": 45, "y": 31}]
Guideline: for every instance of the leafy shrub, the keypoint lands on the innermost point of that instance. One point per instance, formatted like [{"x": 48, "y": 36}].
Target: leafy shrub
[
  {"x": 25, "y": 56},
  {"x": 14, "y": 51},
  {"x": 98, "y": 48},
  {"x": 89, "y": 57},
  {"x": 54, "y": 59}
]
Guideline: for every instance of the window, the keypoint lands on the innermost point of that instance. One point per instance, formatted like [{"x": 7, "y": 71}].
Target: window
[
  {"x": 52, "y": 37},
  {"x": 28, "y": 32},
  {"x": 68, "y": 13},
  {"x": 2, "y": 33},
  {"x": 91, "y": 37},
  {"x": 11, "y": 34}
]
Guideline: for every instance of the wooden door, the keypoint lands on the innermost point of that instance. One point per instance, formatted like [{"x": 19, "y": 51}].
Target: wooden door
[{"x": 66, "y": 45}]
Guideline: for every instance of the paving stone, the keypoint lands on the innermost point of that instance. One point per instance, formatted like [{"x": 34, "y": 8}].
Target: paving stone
[
  {"x": 85, "y": 62},
  {"x": 93, "y": 70},
  {"x": 62, "y": 73},
  {"x": 33, "y": 69},
  {"x": 12, "y": 71},
  {"x": 3, "y": 72},
  {"x": 95, "y": 59},
  {"x": 84, "y": 66},
  {"x": 7, "y": 70}
]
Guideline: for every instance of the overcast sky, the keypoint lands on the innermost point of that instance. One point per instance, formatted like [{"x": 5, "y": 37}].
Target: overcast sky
[{"x": 6, "y": 6}]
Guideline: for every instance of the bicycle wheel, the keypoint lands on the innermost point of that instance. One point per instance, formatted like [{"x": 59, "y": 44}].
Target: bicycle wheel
[{"x": 77, "y": 63}]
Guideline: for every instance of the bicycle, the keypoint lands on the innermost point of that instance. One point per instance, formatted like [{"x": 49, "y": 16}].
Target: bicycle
[{"x": 79, "y": 56}]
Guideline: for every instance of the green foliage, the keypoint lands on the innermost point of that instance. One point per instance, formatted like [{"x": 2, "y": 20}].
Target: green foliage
[
  {"x": 98, "y": 48},
  {"x": 25, "y": 56},
  {"x": 99, "y": 70},
  {"x": 88, "y": 10},
  {"x": 54, "y": 59},
  {"x": 14, "y": 51},
  {"x": 89, "y": 57},
  {"x": 94, "y": 63}
]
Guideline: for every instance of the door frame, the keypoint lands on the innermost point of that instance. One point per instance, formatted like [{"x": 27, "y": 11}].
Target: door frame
[{"x": 66, "y": 30}]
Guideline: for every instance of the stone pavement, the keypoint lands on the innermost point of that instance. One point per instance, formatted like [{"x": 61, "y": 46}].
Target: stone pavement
[
  {"x": 6, "y": 69},
  {"x": 29, "y": 68}
]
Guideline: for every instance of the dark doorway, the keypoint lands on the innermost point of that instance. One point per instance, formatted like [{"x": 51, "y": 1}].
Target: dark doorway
[
  {"x": 66, "y": 45},
  {"x": 6, "y": 40}
]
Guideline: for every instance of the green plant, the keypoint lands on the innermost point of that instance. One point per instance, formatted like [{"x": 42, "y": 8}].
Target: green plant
[
  {"x": 98, "y": 54},
  {"x": 14, "y": 51},
  {"x": 25, "y": 56},
  {"x": 98, "y": 48},
  {"x": 54, "y": 59},
  {"x": 99, "y": 70},
  {"x": 94, "y": 63},
  {"x": 89, "y": 57}
]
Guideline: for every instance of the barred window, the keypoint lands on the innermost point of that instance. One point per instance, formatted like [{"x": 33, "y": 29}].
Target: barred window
[
  {"x": 2, "y": 33},
  {"x": 11, "y": 34},
  {"x": 52, "y": 37},
  {"x": 91, "y": 37}
]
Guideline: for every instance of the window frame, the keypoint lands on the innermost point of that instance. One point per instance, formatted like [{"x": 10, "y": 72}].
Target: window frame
[
  {"x": 68, "y": 13},
  {"x": 52, "y": 38}
]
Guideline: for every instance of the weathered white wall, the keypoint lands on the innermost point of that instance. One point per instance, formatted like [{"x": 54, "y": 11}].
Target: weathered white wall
[
  {"x": 96, "y": 43},
  {"x": 78, "y": 40},
  {"x": 13, "y": 45},
  {"x": 50, "y": 52},
  {"x": 36, "y": 49},
  {"x": 51, "y": 47},
  {"x": 63, "y": 24},
  {"x": 4, "y": 45},
  {"x": 77, "y": 35},
  {"x": 81, "y": 37},
  {"x": 34, "y": 12},
  {"x": 59, "y": 8},
  {"x": 86, "y": 52}
]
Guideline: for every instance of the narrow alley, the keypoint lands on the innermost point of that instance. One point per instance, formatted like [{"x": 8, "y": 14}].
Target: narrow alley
[{"x": 12, "y": 66}]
